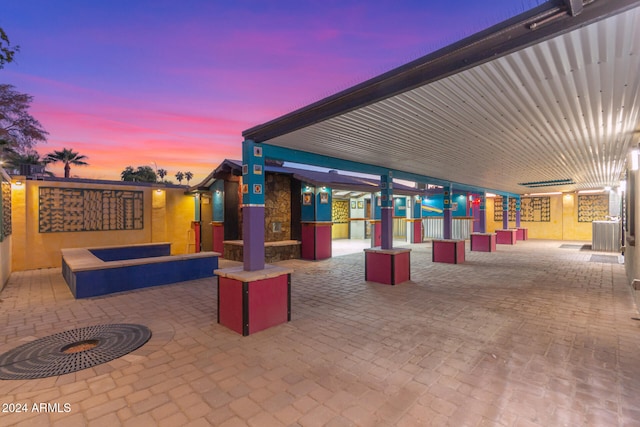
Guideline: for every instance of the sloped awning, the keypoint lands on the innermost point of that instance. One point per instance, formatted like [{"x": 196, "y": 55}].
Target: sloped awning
[{"x": 548, "y": 100}]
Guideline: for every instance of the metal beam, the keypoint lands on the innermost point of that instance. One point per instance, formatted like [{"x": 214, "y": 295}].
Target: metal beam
[{"x": 304, "y": 157}]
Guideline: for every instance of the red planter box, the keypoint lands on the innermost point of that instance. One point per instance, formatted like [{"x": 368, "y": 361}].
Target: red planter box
[
  {"x": 483, "y": 242},
  {"x": 506, "y": 237},
  {"x": 252, "y": 301},
  {"x": 387, "y": 266},
  {"x": 522, "y": 233},
  {"x": 448, "y": 250}
]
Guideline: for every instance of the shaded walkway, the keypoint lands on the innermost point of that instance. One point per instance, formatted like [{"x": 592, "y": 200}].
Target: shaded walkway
[{"x": 533, "y": 335}]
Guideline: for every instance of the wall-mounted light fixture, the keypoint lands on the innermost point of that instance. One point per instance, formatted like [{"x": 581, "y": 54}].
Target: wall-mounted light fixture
[
  {"x": 159, "y": 191},
  {"x": 18, "y": 183}
]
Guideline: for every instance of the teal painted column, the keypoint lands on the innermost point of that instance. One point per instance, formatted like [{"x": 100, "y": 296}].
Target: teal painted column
[
  {"x": 323, "y": 204},
  {"x": 252, "y": 205},
  {"x": 386, "y": 205},
  {"x": 505, "y": 212},
  {"x": 217, "y": 200},
  {"x": 197, "y": 202}
]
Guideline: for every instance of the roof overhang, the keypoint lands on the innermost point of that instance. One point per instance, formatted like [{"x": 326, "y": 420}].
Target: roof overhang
[{"x": 549, "y": 97}]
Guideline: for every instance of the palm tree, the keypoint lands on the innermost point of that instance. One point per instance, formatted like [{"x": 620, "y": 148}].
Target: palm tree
[
  {"x": 188, "y": 176},
  {"x": 179, "y": 176},
  {"x": 162, "y": 173},
  {"x": 68, "y": 157}
]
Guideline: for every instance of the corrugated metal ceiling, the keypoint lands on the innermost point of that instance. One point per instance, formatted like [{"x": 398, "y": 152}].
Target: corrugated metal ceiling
[{"x": 565, "y": 108}]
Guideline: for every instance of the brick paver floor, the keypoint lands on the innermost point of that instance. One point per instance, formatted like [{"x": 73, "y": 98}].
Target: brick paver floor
[{"x": 531, "y": 335}]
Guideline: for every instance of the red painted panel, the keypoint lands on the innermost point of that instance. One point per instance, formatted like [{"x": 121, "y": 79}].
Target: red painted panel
[
  {"x": 196, "y": 232},
  {"x": 230, "y": 299},
  {"x": 378, "y": 267},
  {"x": 417, "y": 232},
  {"x": 218, "y": 238},
  {"x": 308, "y": 241},
  {"x": 460, "y": 252},
  {"x": 402, "y": 267},
  {"x": 378, "y": 233},
  {"x": 323, "y": 241},
  {"x": 268, "y": 303}
]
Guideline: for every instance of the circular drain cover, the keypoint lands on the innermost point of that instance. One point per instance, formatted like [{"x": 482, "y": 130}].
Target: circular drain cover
[{"x": 72, "y": 351}]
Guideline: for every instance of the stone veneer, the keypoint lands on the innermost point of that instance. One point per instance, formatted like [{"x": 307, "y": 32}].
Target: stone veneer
[
  {"x": 277, "y": 208},
  {"x": 272, "y": 253}
]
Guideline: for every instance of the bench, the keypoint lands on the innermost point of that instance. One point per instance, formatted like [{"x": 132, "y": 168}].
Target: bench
[{"x": 124, "y": 268}]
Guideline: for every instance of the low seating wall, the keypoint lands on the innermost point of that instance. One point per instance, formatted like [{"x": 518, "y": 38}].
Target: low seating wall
[
  {"x": 88, "y": 276},
  {"x": 273, "y": 251}
]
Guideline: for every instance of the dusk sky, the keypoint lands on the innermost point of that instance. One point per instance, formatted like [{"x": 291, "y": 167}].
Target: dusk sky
[{"x": 173, "y": 84}]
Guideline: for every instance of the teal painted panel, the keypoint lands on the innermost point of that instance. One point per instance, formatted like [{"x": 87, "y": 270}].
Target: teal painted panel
[
  {"x": 217, "y": 198},
  {"x": 400, "y": 206},
  {"x": 323, "y": 204}
]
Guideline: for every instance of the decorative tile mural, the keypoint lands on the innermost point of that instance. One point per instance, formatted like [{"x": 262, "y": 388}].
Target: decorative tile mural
[
  {"x": 71, "y": 209},
  {"x": 593, "y": 207},
  {"x": 340, "y": 211},
  {"x": 532, "y": 209}
]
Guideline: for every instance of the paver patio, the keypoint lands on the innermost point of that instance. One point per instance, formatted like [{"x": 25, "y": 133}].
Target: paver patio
[{"x": 530, "y": 335}]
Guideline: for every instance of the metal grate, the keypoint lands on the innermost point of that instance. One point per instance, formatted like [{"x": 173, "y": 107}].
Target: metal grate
[
  {"x": 50, "y": 356},
  {"x": 607, "y": 259}
]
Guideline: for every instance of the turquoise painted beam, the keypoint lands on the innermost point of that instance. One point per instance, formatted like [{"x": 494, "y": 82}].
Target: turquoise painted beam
[{"x": 305, "y": 157}]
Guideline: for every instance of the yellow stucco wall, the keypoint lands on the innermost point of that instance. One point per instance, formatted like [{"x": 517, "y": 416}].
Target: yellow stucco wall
[
  {"x": 563, "y": 224},
  {"x": 180, "y": 214},
  {"x": 33, "y": 249}
]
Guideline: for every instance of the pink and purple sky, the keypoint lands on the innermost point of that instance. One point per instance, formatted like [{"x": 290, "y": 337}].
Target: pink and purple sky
[{"x": 172, "y": 84}]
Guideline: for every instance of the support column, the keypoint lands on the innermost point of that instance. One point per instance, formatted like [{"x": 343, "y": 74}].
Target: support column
[
  {"x": 195, "y": 224},
  {"x": 447, "y": 222},
  {"x": 252, "y": 206},
  {"x": 522, "y": 233},
  {"x": 482, "y": 213},
  {"x": 386, "y": 264},
  {"x": 505, "y": 212},
  {"x": 217, "y": 215},
  {"x": 259, "y": 296},
  {"x": 316, "y": 223},
  {"x": 376, "y": 226},
  {"x": 416, "y": 220},
  {"x": 386, "y": 184}
]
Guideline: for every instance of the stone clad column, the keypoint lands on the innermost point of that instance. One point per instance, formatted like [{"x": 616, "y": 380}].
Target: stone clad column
[{"x": 518, "y": 212}]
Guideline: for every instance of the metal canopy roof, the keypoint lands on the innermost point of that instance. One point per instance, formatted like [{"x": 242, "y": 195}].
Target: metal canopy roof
[{"x": 545, "y": 99}]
